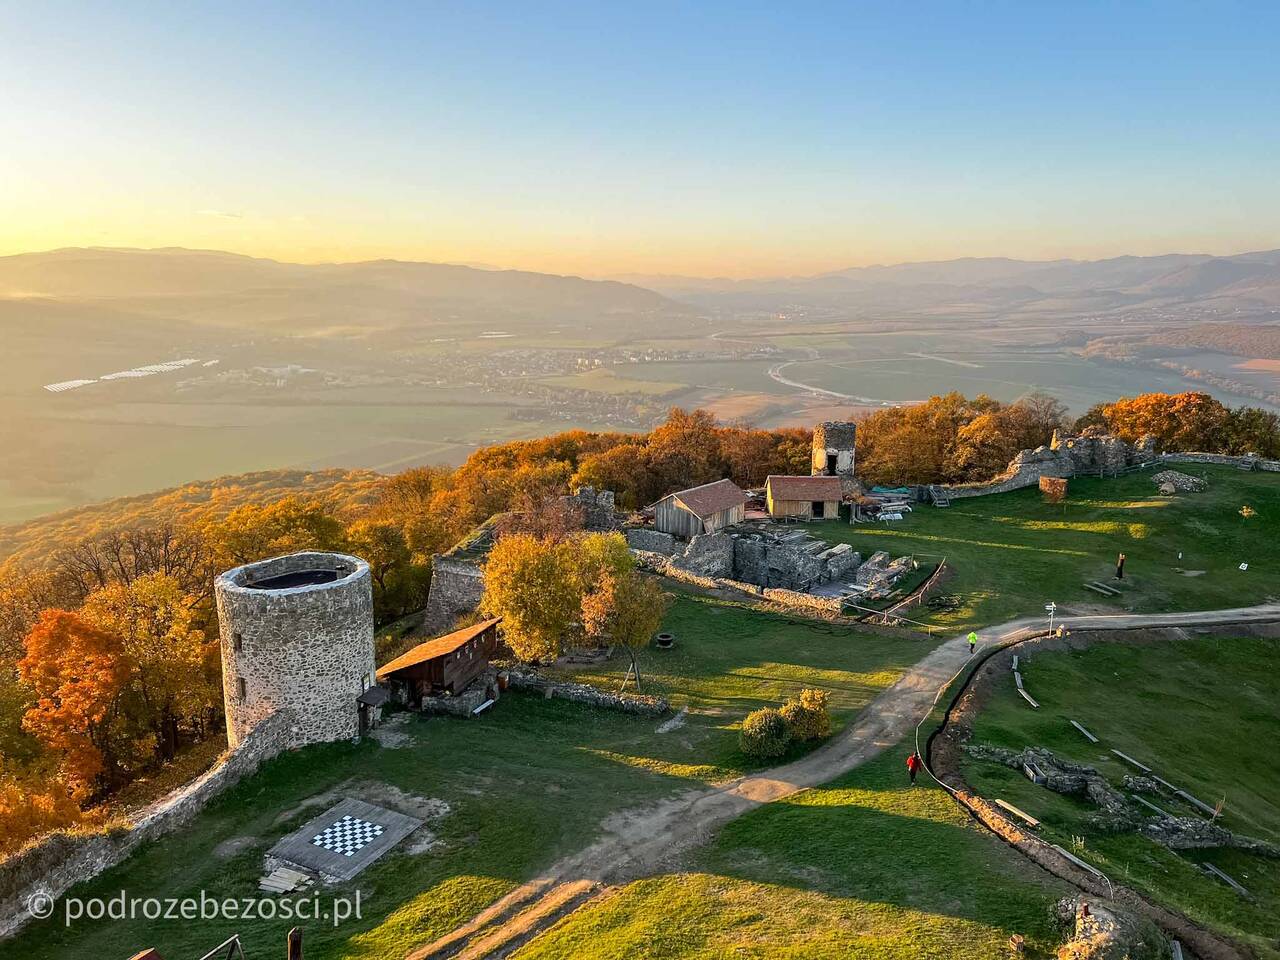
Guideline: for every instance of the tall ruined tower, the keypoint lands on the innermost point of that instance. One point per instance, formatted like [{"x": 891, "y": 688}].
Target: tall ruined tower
[
  {"x": 297, "y": 636},
  {"x": 833, "y": 450}
]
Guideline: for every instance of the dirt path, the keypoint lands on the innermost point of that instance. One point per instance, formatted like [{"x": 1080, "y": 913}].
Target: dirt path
[{"x": 641, "y": 842}]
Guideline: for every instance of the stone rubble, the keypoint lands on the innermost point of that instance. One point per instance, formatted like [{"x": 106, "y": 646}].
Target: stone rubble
[{"x": 1182, "y": 482}]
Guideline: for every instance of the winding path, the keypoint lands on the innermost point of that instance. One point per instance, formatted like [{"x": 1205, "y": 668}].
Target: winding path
[{"x": 640, "y": 842}]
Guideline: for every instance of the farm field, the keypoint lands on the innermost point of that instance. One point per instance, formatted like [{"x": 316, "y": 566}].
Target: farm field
[
  {"x": 1202, "y": 714},
  {"x": 605, "y": 380},
  {"x": 866, "y": 867},
  {"x": 529, "y": 781},
  {"x": 1011, "y": 553},
  {"x": 123, "y": 448}
]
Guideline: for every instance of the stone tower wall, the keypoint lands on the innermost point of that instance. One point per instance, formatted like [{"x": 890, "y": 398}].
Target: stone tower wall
[
  {"x": 838, "y": 438},
  {"x": 304, "y": 649}
]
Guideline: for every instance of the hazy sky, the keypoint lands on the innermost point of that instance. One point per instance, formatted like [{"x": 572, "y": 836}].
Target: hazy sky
[{"x": 700, "y": 138}]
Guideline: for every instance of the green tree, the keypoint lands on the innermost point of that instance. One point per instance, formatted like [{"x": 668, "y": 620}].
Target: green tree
[
  {"x": 626, "y": 610},
  {"x": 532, "y": 584}
]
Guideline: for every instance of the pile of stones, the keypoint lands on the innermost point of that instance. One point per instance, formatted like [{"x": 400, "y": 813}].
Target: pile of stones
[{"x": 1179, "y": 481}]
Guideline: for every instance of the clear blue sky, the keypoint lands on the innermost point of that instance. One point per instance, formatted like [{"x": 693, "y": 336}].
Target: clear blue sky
[{"x": 699, "y": 138}]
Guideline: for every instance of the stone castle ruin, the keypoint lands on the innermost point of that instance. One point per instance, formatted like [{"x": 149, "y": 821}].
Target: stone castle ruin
[
  {"x": 297, "y": 639},
  {"x": 1087, "y": 454},
  {"x": 833, "y": 451}
]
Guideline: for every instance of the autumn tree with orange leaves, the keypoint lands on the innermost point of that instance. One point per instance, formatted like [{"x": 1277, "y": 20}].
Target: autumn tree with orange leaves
[{"x": 78, "y": 673}]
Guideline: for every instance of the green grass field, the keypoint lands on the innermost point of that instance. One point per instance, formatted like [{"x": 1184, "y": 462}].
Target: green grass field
[
  {"x": 865, "y": 867},
  {"x": 1201, "y": 712},
  {"x": 1011, "y": 553},
  {"x": 729, "y": 660},
  {"x": 528, "y": 782}
]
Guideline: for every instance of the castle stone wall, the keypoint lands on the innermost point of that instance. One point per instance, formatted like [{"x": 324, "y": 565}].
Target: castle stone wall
[
  {"x": 457, "y": 587},
  {"x": 62, "y": 859}
]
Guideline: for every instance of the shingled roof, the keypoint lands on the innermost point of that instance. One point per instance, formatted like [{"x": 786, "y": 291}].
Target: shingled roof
[
  {"x": 804, "y": 488},
  {"x": 710, "y": 498},
  {"x": 438, "y": 647}
]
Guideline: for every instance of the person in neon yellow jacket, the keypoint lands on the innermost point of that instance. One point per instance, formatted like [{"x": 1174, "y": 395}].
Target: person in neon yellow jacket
[{"x": 973, "y": 642}]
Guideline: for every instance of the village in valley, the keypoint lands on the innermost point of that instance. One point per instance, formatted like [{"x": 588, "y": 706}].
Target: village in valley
[{"x": 611, "y": 730}]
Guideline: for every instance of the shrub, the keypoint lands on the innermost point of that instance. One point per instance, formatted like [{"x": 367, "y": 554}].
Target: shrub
[
  {"x": 765, "y": 734},
  {"x": 807, "y": 717}
]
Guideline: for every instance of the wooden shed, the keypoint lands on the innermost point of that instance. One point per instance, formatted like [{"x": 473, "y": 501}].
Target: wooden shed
[
  {"x": 444, "y": 665},
  {"x": 704, "y": 509},
  {"x": 808, "y": 498}
]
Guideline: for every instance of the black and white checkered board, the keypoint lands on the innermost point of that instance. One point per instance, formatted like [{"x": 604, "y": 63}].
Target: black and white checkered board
[{"x": 347, "y": 835}]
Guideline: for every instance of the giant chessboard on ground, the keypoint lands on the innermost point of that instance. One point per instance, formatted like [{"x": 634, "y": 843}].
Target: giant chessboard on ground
[{"x": 344, "y": 839}]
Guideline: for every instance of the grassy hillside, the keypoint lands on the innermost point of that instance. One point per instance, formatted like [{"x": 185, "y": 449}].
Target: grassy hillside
[
  {"x": 1011, "y": 553},
  {"x": 865, "y": 867},
  {"x": 1202, "y": 713},
  {"x": 527, "y": 782}
]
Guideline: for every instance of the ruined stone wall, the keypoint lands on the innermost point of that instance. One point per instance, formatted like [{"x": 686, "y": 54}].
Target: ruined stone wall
[
  {"x": 308, "y": 648},
  {"x": 653, "y": 541},
  {"x": 708, "y": 555},
  {"x": 522, "y": 679},
  {"x": 803, "y": 601},
  {"x": 772, "y": 564},
  {"x": 457, "y": 587},
  {"x": 1269, "y": 466},
  {"x": 1062, "y": 459},
  {"x": 599, "y": 509},
  {"x": 62, "y": 859},
  {"x": 834, "y": 438}
]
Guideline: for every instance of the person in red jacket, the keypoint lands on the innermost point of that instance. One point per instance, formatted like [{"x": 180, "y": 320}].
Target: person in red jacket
[{"x": 914, "y": 763}]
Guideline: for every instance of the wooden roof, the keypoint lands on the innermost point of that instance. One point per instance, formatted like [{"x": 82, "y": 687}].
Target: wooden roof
[
  {"x": 437, "y": 647},
  {"x": 710, "y": 498},
  {"x": 804, "y": 488}
]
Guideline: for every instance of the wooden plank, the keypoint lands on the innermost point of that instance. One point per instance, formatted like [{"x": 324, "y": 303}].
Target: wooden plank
[
  {"x": 1020, "y": 814},
  {"x": 1151, "y": 806},
  {"x": 1027, "y": 697},
  {"x": 1196, "y": 803},
  {"x": 1128, "y": 759},
  {"x": 1164, "y": 783},
  {"x": 1017, "y": 679},
  {"x": 483, "y": 707},
  {"x": 1080, "y": 727},
  {"x": 1226, "y": 879},
  {"x": 1078, "y": 862},
  {"x": 1102, "y": 588},
  {"x": 1015, "y": 663}
]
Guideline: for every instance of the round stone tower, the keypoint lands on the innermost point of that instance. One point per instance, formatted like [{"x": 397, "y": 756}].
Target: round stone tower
[
  {"x": 297, "y": 635},
  {"x": 833, "y": 449}
]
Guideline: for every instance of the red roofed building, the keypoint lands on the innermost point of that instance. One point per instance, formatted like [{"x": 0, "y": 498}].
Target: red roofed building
[
  {"x": 809, "y": 498},
  {"x": 446, "y": 664}
]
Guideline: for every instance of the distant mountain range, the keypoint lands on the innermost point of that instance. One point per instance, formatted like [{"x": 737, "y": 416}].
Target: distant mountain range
[
  {"x": 1244, "y": 281},
  {"x": 224, "y": 289},
  {"x": 211, "y": 289}
]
